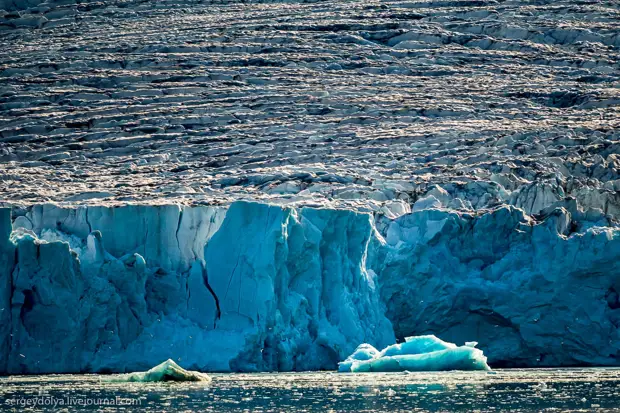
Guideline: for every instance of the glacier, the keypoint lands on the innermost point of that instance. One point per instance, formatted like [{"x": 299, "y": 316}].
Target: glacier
[
  {"x": 259, "y": 287},
  {"x": 265, "y": 184},
  {"x": 419, "y": 353}
]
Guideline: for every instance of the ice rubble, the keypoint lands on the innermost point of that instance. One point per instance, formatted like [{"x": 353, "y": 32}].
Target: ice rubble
[
  {"x": 420, "y": 353},
  {"x": 166, "y": 371},
  {"x": 255, "y": 287}
]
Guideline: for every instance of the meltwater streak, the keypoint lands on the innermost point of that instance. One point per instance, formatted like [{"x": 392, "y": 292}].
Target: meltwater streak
[{"x": 532, "y": 390}]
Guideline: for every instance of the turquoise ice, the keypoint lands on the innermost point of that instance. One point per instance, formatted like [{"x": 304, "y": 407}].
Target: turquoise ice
[
  {"x": 420, "y": 353},
  {"x": 257, "y": 287}
]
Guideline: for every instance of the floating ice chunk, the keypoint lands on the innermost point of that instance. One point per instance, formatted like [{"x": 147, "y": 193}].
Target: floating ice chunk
[
  {"x": 421, "y": 353},
  {"x": 166, "y": 371}
]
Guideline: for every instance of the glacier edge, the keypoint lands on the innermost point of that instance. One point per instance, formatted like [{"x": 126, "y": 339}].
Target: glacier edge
[{"x": 258, "y": 287}]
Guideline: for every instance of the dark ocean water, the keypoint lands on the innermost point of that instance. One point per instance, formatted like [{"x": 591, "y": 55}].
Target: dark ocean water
[{"x": 531, "y": 390}]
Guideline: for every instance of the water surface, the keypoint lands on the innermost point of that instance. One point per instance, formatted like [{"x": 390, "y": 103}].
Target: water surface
[{"x": 531, "y": 390}]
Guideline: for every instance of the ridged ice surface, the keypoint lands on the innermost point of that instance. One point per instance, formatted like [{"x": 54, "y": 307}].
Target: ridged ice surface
[{"x": 359, "y": 103}]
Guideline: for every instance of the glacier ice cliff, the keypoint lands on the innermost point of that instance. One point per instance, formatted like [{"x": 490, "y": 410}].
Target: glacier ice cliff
[
  {"x": 534, "y": 292},
  {"x": 258, "y": 287},
  {"x": 250, "y": 287},
  {"x": 447, "y": 167}
]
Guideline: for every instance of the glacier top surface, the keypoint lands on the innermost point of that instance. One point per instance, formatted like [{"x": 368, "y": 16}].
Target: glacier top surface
[{"x": 355, "y": 104}]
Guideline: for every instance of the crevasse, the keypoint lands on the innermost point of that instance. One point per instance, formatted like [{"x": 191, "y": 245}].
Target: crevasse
[{"x": 257, "y": 287}]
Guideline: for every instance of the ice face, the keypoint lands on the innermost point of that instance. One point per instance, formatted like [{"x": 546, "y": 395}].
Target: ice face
[
  {"x": 494, "y": 122},
  {"x": 250, "y": 287},
  {"x": 7, "y": 258},
  {"x": 255, "y": 287},
  {"x": 536, "y": 292},
  {"x": 420, "y": 353}
]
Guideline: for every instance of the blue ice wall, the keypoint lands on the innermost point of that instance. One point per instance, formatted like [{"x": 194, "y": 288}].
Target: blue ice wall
[
  {"x": 533, "y": 293},
  {"x": 252, "y": 287},
  {"x": 256, "y": 287},
  {"x": 7, "y": 256}
]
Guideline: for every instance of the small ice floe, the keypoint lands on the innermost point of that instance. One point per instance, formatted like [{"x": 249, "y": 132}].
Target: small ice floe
[
  {"x": 543, "y": 387},
  {"x": 421, "y": 353},
  {"x": 166, "y": 371}
]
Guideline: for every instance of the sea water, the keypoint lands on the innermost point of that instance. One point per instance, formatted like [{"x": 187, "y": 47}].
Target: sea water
[{"x": 523, "y": 390}]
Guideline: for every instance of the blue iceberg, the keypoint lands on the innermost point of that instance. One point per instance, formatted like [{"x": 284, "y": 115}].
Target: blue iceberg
[{"x": 420, "y": 353}]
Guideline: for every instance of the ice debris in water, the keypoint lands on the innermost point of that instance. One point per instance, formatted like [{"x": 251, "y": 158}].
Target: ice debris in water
[
  {"x": 166, "y": 371},
  {"x": 420, "y": 353}
]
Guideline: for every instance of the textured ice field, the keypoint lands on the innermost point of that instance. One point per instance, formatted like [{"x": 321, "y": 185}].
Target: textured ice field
[{"x": 360, "y": 103}]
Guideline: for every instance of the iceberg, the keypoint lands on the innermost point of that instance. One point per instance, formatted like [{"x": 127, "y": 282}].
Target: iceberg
[
  {"x": 420, "y": 353},
  {"x": 363, "y": 352},
  {"x": 166, "y": 371}
]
